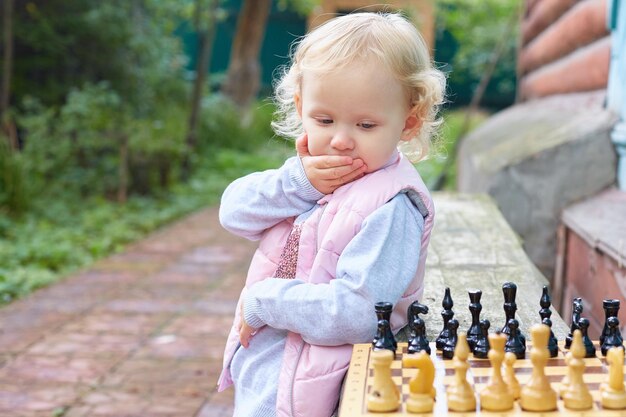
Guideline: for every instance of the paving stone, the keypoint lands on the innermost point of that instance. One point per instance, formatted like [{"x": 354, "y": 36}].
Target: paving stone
[
  {"x": 181, "y": 347},
  {"x": 201, "y": 325},
  {"x": 86, "y": 345},
  {"x": 31, "y": 368},
  {"x": 139, "y": 325}
]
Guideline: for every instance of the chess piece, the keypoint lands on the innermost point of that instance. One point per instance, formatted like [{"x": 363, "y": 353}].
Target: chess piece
[
  {"x": 577, "y": 396},
  {"x": 509, "y": 374},
  {"x": 448, "y": 348},
  {"x": 553, "y": 344},
  {"x": 417, "y": 335},
  {"x": 460, "y": 393},
  {"x": 613, "y": 394},
  {"x": 545, "y": 303},
  {"x": 590, "y": 349},
  {"x": 612, "y": 337},
  {"x": 611, "y": 308},
  {"x": 383, "y": 312},
  {"x": 447, "y": 315},
  {"x": 496, "y": 395},
  {"x": 384, "y": 338},
  {"x": 384, "y": 396},
  {"x": 514, "y": 343},
  {"x": 421, "y": 391},
  {"x": 419, "y": 341},
  {"x": 481, "y": 350},
  {"x": 474, "y": 332},
  {"x": 537, "y": 394},
  {"x": 577, "y": 310},
  {"x": 509, "y": 290}
]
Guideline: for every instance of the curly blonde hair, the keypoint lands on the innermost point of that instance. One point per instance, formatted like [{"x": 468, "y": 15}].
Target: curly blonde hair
[{"x": 387, "y": 37}]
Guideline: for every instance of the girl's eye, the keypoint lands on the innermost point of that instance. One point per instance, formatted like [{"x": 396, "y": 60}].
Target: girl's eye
[
  {"x": 366, "y": 125},
  {"x": 325, "y": 121}
]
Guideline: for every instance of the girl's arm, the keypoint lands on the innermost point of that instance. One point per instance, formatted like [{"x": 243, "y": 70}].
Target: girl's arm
[
  {"x": 377, "y": 265},
  {"x": 260, "y": 200}
]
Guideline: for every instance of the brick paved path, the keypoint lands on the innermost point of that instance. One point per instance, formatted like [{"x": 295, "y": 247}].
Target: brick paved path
[{"x": 141, "y": 333}]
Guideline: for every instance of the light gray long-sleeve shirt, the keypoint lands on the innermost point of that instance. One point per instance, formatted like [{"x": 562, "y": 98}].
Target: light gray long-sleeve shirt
[{"x": 377, "y": 265}]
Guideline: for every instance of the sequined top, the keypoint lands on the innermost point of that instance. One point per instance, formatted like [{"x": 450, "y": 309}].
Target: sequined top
[{"x": 289, "y": 257}]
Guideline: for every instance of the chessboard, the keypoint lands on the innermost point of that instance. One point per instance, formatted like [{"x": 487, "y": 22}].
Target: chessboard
[{"x": 360, "y": 376}]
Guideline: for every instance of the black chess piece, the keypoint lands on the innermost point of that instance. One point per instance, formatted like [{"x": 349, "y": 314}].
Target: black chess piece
[
  {"x": 553, "y": 344},
  {"x": 383, "y": 312},
  {"x": 481, "y": 350},
  {"x": 474, "y": 332},
  {"x": 613, "y": 337},
  {"x": 545, "y": 302},
  {"x": 509, "y": 289},
  {"x": 417, "y": 335},
  {"x": 590, "y": 349},
  {"x": 515, "y": 343},
  {"x": 419, "y": 341},
  {"x": 447, "y": 314},
  {"x": 448, "y": 348},
  {"x": 577, "y": 310},
  {"x": 611, "y": 308},
  {"x": 382, "y": 340}
]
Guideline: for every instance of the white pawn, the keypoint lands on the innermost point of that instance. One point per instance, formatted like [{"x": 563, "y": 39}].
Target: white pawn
[
  {"x": 577, "y": 395},
  {"x": 460, "y": 393}
]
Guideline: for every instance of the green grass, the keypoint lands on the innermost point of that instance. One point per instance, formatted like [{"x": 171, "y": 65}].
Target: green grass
[{"x": 62, "y": 235}]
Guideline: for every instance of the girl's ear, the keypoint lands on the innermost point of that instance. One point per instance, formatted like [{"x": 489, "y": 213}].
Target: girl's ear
[
  {"x": 298, "y": 102},
  {"x": 411, "y": 125}
]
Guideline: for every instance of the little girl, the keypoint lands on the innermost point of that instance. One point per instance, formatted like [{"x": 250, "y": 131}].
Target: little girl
[{"x": 342, "y": 225}]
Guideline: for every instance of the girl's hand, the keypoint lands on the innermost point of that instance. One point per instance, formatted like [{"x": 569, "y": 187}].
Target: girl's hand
[
  {"x": 245, "y": 331},
  {"x": 328, "y": 172}
]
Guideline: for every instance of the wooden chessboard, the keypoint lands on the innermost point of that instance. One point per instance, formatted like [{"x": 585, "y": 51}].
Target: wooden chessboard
[{"x": 360, "y": 376}]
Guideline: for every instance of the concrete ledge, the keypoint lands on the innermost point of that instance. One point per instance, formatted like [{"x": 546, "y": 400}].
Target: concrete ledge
[{"x": 472, "y": 246}]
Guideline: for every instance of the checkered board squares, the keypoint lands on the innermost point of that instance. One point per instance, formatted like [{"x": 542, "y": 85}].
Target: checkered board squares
[{"x": 360, "y": 376}]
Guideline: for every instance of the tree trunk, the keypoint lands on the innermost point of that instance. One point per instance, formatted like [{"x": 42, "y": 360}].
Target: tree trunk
[
  {"x": 206, "y": 35},
  {"x": 123, "y": 168},
  {"x": 243, "y": 78},
  {"x": 7, "y": 69}
]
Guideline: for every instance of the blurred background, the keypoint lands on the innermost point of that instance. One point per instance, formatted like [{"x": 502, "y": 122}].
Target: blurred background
[{"x": 120, "y": 116}]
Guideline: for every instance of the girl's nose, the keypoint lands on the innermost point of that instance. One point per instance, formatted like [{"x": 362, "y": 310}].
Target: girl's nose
[{"x": 342, "y": 140}]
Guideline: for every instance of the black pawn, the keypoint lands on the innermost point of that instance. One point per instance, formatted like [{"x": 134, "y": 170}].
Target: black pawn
[
  {"x": 515, "y": 343},
  {"x": 611, "y": 308},
  {"x": 577, "y": 310},
  {"x": 553, "y": 344},
  {"x": 448, "y": 349},
  {"x": 419, "y": 341},
  {"x": 545, "y": 302},
  {"x": 383, "y": 312},
  {"x": 382, "y": 340},
  {"x": 417, "y": 334},
  {"x": 509, "y": 290},
  {"x": 474, "y": 332},
  {"x": 590, "y": 349},
  {"x": 481, "y": 350},
  {"x": 447, "y": 314},
  {"x": 613, "y": 337}
]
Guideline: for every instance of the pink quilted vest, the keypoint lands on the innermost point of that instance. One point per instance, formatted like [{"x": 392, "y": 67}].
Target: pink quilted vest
[{"x": 311, "y": 375}]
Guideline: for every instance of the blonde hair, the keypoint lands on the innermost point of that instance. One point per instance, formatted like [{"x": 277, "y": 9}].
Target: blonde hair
[{"x": 387, "y": 37}]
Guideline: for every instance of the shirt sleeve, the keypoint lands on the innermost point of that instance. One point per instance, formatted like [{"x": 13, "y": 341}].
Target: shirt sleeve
[
  {"x": 378, "y": 264},
  {"x": 254, "y": 203}
]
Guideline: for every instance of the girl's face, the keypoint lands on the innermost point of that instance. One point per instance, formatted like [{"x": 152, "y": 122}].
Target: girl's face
[{"x": 359, "y": 111}]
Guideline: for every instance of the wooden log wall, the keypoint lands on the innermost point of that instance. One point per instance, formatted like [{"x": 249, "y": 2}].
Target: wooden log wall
[{"x": 565, "y": 47}]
